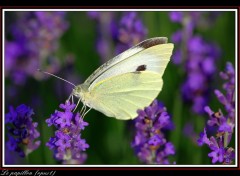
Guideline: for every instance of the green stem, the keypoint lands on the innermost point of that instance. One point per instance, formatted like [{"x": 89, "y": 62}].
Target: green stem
[
  {"x": 226, "y": 135},
  {"x": 153, "y": 157},
  {"x": 225, "y": 139},
  {"x": 175, "y": 137},
  {"x": 27, "y": 157},
  {"x": 199, "y": 124}
]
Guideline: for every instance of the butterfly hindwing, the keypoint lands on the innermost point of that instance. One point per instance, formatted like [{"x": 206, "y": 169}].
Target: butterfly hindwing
[{"x": 120, "y": 96}]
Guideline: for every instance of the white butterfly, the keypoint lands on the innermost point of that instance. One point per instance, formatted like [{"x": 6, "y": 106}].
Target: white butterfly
[{"x": 128, "y": 82}]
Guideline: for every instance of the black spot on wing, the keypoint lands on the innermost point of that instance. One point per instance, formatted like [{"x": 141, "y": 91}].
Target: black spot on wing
[
  {"x": 141, "y": 68},
  {"x": 152, "y": 42}
]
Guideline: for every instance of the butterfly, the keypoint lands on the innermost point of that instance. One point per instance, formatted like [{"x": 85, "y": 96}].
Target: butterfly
[{"x": 126, "y": 83}]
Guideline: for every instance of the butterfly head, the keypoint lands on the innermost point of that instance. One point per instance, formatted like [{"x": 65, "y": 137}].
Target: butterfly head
[{"x": 79, "y": 90}]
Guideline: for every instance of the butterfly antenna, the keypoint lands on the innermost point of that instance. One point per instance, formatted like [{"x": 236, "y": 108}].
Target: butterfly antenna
[{"x": 56, "y": 76}]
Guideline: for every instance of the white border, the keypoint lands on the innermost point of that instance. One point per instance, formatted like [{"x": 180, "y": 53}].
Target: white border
[
  {"x": 119, "y": 166},
  {"x": 236, "y": 85},
  {"x": 103, "y": 10}
]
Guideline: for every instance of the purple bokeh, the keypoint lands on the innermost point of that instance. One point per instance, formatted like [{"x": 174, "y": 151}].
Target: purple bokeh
[
  {"x": 34, "y": 39},
  {"x": 197, "y": 56}
]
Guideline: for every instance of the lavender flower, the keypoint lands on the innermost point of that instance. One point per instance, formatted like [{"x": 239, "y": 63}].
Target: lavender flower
[
  {"x": 130, "y": 31},
  {"x": 67, "y": 144},
  {"x": 11, "y": 158},
  {"x": 201, "y": 68},
  {"x": 95, "y": 15},
  {"x": 150, "y": 143},
  {"x": 105, "y": 25},
  {"x": 198, "y": 58},
  {"x": 188, "y": 131},
  {"x": 34, "y": 39},
  {"x": 22, "y": 130},
  {"x": 219, "y": 145},
  {"x": 125, "y": 33}
]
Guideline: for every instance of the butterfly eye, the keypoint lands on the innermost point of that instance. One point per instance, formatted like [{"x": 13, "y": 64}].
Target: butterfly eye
[{"x": 76, "y": 91}]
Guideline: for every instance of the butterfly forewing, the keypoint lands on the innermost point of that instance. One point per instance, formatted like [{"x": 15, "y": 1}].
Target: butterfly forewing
[
  {"x": 98, "y": 74},
  {"x": 153, "y": 59}
]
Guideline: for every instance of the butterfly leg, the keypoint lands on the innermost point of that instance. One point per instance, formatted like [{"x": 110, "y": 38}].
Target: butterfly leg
[
  {"x": 72, "y": 100},
  {"x": 83, "y": 109},
  {"x": 69, "y": 97},
  {"x": 77, "y": 104},
  {"x": 86, "y": 112}
]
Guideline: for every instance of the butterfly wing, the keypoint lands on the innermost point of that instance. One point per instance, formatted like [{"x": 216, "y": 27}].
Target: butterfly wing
[
  {"x": 120, "y": 96},
  {"x": 153, "y": 59},
  {"x": 130, "y": 81},
  {"x": 129, "y": 60}
]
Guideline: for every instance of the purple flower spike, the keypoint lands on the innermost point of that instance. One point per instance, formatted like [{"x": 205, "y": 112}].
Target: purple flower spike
[
  {"x": 198, "y": 58},
  {"x": 176, "y": 16},
  {"x": 217, "y": 155},
  {"x": 80, "y": 121},
  {"x": 64, "y": 119},
  {"x": 67, "y": 144},
  {"x": 34, "y": 39},
  {"x": 93, "y": 14},
  {"x": 203, "y": 138},
  {"x": 177, "y": 37},
  {"x": 224, "y": 123},
  {"x": 11, "y": 116},
  {"x": 130, "y": 31},
  {"x": 155, "y": 141},
  {"x": 149, "y": 143},
  {"x": 125, "y": 32},
  {"x": 169, "y": 149},
  {"x": 63, "y": 141},
  {"x": 67, "y": 106},
  {"x": 22, "y": 130},
  {"x": 225, "y": 127}
]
